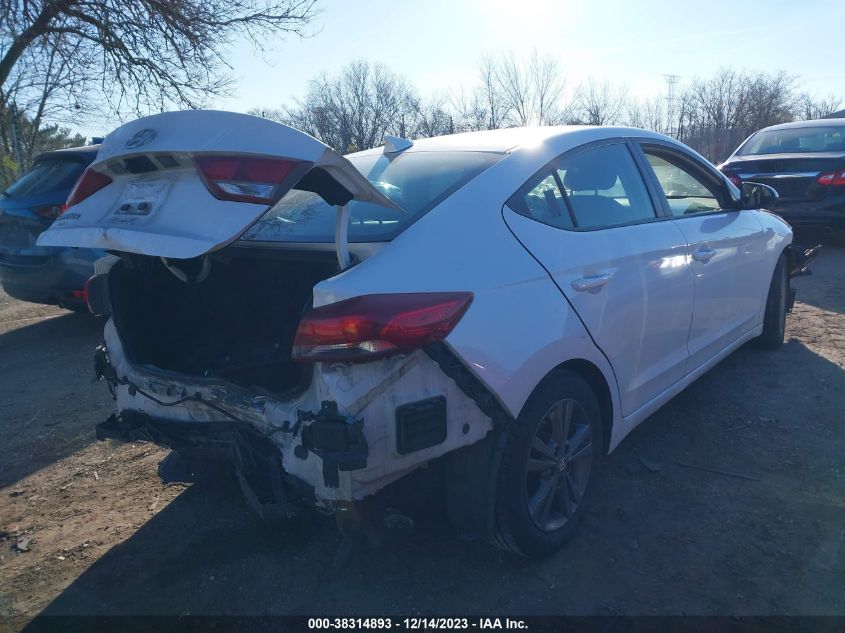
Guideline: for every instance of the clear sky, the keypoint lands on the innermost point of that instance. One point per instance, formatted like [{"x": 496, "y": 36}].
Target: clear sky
[{"x": 437, "y": 43}]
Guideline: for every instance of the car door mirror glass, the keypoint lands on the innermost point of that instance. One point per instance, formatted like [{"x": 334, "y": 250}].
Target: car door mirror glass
[{"x": 756, "y": 195}]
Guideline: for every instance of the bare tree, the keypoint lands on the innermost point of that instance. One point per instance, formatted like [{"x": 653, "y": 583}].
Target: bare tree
[
  {"x": 714, "y": 114},
  {"x": 33, "y": 138},
  {"x": 771, "y": 99},
  {"x": 432, "y": 117},
  {"x": 649, "y": 114},
  {"x": 470, "y": 110},
  {"x": 601, "y": 103},
  {"x": 532, "y": 90},
  {"x": 808, "y": 108},
  {"x": 144, "y": 53},
  {"x": 490, "y": 94},
  {"x": 354, "y": 110},
  {"x": 548, "y": 91},
  {"x": 515, "y": 89},
  {"x": 66, "y": 60},
  {"x": 717, "y": 113}
]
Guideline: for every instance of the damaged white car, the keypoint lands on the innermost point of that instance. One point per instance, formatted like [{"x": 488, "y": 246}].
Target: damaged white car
[{"x": 508, "y": 304}]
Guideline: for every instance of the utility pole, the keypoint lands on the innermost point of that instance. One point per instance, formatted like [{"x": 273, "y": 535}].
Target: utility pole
[{"x": 671, "y": 82}]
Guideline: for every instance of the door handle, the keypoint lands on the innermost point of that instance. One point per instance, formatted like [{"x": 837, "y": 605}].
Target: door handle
[
  {"x": 593, "y": 282},
  {"x": 703, "y": 254}
]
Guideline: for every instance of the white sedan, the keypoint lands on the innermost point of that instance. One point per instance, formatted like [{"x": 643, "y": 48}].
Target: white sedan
[{"x": 505, "y": 306}]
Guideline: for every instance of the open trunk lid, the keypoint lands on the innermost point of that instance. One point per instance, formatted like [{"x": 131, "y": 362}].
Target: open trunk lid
[{"x": 182, "y": 184}]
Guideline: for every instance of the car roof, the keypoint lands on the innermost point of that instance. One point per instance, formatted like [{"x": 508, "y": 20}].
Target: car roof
[
  {"x": 514, "y": 138},
  {"x": 809, "y": 123},
  {"x": 86, "y": 151}
]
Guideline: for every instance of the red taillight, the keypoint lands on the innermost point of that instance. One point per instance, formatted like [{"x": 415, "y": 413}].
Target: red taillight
[
  {"x": 373, "y": 326},
  {"x": 79, "y": 295},
  {"x": 834, "y": 178},
  {"x": 90, "y": 183},
  {"x": 736, "y": 180},
  {"x": 51, "y": 211},
  {"x": 243, "y": 178}
]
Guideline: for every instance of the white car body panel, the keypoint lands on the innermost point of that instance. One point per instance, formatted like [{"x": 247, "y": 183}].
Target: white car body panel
[
  {"x": 728, "y": 285},
  {"x": 478, "y": 252},
  {"x": 525, "y": 319},
  {"x": 644, "y": 340}
]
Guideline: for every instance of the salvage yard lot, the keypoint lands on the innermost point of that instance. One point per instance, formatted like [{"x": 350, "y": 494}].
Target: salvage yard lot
[{"x": 763, "y": 535}]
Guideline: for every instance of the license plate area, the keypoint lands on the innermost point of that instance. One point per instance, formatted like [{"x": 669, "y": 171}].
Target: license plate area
[{"x": 139, "y": 202}]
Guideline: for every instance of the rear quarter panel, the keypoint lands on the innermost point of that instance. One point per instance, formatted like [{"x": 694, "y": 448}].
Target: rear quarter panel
[{"x": 519, "y": 326}]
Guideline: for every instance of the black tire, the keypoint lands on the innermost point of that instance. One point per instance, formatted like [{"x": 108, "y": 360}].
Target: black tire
[
  {"x": 774, "y": 319},
  {"x": 541, "y": 494}
]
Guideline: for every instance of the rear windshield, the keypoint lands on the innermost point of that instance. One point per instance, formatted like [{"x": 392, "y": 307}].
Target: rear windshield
[
  {"x": 416, "y": 181},
  {"x": 48, "y": 175},
  {"x": 796, "y": 141}
]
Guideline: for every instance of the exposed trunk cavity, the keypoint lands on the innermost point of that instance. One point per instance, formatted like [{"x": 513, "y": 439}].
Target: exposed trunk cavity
[{"x": 237, "y": 324}]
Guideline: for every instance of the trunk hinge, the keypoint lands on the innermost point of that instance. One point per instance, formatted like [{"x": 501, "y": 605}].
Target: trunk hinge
[{"x": 341, "y": 236}]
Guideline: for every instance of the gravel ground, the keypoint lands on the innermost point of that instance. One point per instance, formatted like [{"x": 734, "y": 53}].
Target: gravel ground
[{"x": 103, "y": 535}]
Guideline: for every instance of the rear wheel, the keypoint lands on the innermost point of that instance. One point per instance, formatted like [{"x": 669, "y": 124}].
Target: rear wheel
[
  {"x": 774, "y": 319},
  {"x": 548, "y": 464}
]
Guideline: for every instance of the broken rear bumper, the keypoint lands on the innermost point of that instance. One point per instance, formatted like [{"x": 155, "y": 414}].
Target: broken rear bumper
[
  {"x": 354, "y": 430},
  {"x": 800, "y": 258},
  {"x": 256, "y": 461}
]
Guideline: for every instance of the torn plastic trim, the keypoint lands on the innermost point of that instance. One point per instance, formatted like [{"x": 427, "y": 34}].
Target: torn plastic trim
[
  {"x": 103, "y": 369},
  {"x": 469, "y": 384},
  {"x": 337, "y": 440},
  {"x": 799, "y": 259}
]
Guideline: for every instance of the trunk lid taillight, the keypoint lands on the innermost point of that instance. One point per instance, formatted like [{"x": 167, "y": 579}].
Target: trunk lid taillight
[
  {"x": 89, "y": 184},
  {"x": 370, "y": 327},
  {"x": 245, "y": 178}
]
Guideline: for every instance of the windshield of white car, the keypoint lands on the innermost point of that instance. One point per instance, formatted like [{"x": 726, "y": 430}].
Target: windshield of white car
[
  {"x": 796, "y": 141},
  {"x": 416, "y": 181}
]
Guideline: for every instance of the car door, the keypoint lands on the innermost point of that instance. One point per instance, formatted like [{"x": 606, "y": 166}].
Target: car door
[
  {"x": 591, "y": 221},
  {"x": 183, "y": 184},
  {"x": 726, "y": 249}
]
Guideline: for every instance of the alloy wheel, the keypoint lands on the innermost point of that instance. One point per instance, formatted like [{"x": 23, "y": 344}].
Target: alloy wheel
[{"x": 558, "y": 465}]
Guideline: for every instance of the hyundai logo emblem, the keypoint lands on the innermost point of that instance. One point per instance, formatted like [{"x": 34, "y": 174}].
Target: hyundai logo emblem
[{"x": 142, "y": 137}]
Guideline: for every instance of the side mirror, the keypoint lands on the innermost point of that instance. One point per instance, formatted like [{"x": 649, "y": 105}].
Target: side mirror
[{"x": 756, "y": 195}]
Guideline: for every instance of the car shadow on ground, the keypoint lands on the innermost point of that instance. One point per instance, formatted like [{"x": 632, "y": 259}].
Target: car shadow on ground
[
  {"x": 48, "y": 406},
  {"x": 758, "y": 533}
]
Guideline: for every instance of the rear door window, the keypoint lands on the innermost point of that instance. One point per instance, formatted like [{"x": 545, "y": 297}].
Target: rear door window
[
  {"x": 595, "y": 188},
  {"x": 416, "y": 181},
  {"x": 48, "y": 175}
]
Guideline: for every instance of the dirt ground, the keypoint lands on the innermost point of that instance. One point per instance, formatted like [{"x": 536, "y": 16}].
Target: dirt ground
[{"x": 106, "y": 537}]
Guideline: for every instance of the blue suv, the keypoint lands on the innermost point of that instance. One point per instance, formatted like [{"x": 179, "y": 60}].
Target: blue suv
[{"x": 37, "y": 273}]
